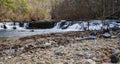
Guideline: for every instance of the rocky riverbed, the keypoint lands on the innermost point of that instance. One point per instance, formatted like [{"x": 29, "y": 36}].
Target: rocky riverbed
[{"x": 60, "y": 48}]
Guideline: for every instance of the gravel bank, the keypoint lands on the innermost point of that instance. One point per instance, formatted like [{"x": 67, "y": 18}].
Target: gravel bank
[{"x": 59, "y": 48}]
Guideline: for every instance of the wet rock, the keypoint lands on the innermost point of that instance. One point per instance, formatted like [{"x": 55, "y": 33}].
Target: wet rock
[
  {"x": 80, "y": 54},
  {"x": 93, "y": 33},
  {"x": 88, "y": 61},
  {"x": 106, "y": 35},
  {"x": 114, "y": 59}
]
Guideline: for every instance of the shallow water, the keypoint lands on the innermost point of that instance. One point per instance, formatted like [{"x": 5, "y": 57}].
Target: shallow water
[
  {"x": 13, "y": 33},
  {"x": 59, "y": 27}
]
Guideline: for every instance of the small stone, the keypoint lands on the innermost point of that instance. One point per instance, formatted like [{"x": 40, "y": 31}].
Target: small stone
[
  {"x": 88, "y": 61},
  {"x": 41, "y": 62},
  {"x": 113, "y": 37},
  {"x": 47, "y": 44},
  {"x": 9, "y": 57},
  {"x": 59, "y": 51},
  {"x": 59, "y": 63},
  {"x": 80, "y": 54},
  {"x": 106, "y": 35},
  {"x": 1, "y": 63},
  {"x": 47, "y": 62},
  {"x": 91, "y": 37},
  {"x": 85, "y": 49}
]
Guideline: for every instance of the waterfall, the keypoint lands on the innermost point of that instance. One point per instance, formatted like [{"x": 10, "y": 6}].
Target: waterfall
[
  {"x": 1, "y": 25},
  {"x": 13, "y": 25},
  {"x": 62, "y": 24},
  {"x": 57, "y": 25},
  {"x": 95, "y": 25},
  {"x": 75, "y": 27},
  {"x": 26, "y": 25}
]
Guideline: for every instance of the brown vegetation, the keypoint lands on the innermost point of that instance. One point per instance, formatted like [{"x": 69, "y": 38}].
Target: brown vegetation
[{"x": 34, "y": 10}]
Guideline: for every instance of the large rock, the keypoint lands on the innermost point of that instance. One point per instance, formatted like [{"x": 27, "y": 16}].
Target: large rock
[
  {"x": 93, "y": 33},
  {"x": 114, "y": 59}
]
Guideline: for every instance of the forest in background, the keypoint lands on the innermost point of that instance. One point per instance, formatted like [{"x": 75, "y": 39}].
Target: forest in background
[{"x": 35, "y": 10}]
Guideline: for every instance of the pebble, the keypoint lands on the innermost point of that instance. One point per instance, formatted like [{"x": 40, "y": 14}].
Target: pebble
[
  {"x": 80, "y": 54},
  {"x": 41, "y": 62},
  {"x": 59, "y": 50},
  {"x": 88, "y": 61},
  {"x": 9, "y": 57},
  {"x": 85, "y": 49},
  {"x": 1, "y": 63}
]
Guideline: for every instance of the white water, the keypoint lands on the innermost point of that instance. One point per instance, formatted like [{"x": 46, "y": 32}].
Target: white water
[
  {"x": 68, "y": 26},
  {"x": 75, "y": 27},
  {"x": 62, "y": 24},
  {"x": 57, "y": 25},
  {"x": 10, "y": 25},
  {"x": 93, "y": 25},
  {"x": 1, "y": 26}
]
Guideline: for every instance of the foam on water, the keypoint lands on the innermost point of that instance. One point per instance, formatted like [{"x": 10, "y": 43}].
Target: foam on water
[
  {"x": 74, "y": 27},
  {"x": 57, "y": 25},
  {"x": 12, "y": 25},
  {"x": 95, "y": 25},
  {"x": 1, "y": 25}
]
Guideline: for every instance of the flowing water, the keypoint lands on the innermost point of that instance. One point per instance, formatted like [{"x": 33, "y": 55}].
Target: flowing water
[{"x": 62, "y": 26}]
